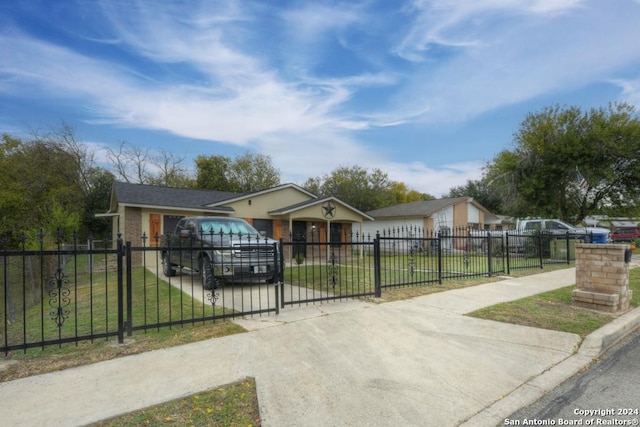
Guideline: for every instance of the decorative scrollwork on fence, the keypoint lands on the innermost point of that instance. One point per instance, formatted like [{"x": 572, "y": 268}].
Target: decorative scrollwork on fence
[
  {"x": 59, "y": 298},
  {"x": 213, "y": 297},
  {"x": 412, "y": 262},
  {"x": 332, "y": 270}
]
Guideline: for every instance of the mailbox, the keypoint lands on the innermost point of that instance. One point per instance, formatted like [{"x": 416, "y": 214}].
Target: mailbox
[{"x": 627, "y": 255}]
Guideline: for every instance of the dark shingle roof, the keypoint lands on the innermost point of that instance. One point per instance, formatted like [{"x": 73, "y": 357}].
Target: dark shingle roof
[
  {"x": 420, "y": 208},
  {"x": 141, "y": 194}
]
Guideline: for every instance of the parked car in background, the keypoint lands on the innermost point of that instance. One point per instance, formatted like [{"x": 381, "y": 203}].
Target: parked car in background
[{"x": 625, "y": 235}]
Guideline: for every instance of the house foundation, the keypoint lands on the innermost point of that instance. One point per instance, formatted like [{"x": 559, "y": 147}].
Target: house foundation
[{"x": 602, "y": 277}]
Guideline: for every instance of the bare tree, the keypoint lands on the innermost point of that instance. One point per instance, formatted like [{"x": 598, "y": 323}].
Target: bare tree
[
  {"x": 129, "y": 163},
  {"x": 169, "y": 170}
]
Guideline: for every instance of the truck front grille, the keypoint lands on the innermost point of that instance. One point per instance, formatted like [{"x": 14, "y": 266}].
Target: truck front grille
[{"x": 253, "y": 252}]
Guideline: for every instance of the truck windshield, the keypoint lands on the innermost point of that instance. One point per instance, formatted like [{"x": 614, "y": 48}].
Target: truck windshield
[{"x": 228, "y": 227}]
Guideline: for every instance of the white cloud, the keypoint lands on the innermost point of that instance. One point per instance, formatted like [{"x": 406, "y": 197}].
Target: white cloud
[
  {"x": 518, "y": 59},
  {"x": 433, "y": 180},
  {"x": 464, "y": 23},
  {"x": 205, "y": 72},
  {"x": 630, "y": 90}
]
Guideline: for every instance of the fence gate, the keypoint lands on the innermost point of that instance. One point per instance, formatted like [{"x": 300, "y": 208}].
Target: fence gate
[{"x": 326, "y": 271}]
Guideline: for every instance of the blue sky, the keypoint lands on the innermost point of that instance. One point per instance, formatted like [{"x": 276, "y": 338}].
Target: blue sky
[{"x": 426, "y": 90}]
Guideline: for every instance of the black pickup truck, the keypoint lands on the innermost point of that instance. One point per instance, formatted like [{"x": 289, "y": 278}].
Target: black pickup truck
[{"x": 220, "y": 249}]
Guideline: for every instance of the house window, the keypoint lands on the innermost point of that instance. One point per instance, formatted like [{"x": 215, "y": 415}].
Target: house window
[{"x": 265, "y": 225}]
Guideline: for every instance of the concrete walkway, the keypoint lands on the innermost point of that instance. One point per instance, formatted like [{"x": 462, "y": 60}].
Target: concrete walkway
[{"x": 414, "y": 362}]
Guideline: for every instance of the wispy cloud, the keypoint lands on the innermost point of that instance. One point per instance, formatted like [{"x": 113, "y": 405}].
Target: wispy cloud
[
  {"x": 512, "y": 53},
  {"x": 319, "y": 78}
]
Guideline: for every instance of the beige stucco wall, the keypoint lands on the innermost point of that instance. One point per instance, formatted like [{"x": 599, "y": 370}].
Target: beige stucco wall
[
  {"x": 315, "y": 213},
  {"x": 259, "y": 206}
]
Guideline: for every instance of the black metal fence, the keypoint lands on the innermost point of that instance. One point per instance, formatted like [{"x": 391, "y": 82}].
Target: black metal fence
[
  {"x": 315, "y": 269},
  {"x": 89, "y": 290}
]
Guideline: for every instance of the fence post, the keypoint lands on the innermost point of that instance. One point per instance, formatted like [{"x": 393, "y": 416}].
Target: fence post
[
  {"x": 120, "y": 256},
  {"x": 439, "y": 257},
  {"x": 282, "y": 272},
  {"x": 489, "y": 253},
  {"x": 540, "y": 248},
  {"x": 568, "y": 248},
  {"x": 278, "y": 259},
  {"x": 506, "y": 249},
  {"x": 377, "y": 279},
  {"x": 129, "y": 322}
]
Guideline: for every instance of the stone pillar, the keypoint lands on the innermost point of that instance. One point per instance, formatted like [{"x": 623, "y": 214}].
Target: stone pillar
[{"x": 602, "y": 277}]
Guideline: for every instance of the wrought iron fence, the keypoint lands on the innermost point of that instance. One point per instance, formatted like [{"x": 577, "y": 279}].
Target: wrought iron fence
[
  {"x": 89, "y": 290},
  {"x": 414, "y": 256},
  {"x": 59, "y": 293},
  {"x": 316, "y": 269}
]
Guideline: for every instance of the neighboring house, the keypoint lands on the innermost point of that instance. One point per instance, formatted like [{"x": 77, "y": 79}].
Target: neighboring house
[
  {"x": 148, "y": 211},
  {"x": 433, "y": 216}
]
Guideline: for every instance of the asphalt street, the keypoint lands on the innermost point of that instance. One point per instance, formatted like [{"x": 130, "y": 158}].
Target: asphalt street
[{"x": 607, "y": 393}]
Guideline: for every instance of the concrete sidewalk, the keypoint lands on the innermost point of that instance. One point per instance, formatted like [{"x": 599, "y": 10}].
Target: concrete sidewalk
[{"x": 414, "y": 362}]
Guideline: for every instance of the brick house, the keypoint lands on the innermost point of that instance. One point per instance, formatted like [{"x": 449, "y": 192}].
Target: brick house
[{"x": 144, "y": 212}]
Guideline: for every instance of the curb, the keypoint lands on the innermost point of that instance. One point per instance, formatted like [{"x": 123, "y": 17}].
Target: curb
[
  {"x": 604, "y": 338},
  {"x": 592, "y": 347}
]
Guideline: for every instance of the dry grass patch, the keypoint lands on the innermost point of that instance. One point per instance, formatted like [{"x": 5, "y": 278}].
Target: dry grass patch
[
  {"x": 407, "y": 292},
  {"x": 555, "y": 310},
  {"x": 233, "y": 405}
]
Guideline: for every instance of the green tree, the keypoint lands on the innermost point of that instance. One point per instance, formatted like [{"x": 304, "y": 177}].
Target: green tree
[
  {"x": 51, "y": 181},
  {"x": 363, "y": 189},
  {"x": 482, "y": 192},
  {"x": 246, "y": 173},
  {"x": 97, "y": 200},
  {"x": 252, "y": 172},
  {"x": 37, "y": 185},
  {"x": 557, "y": 147},
  {"x": 211, "y": 172},
  {"x": 93, "y": 183},
  {"x": 400, "y": 194}
]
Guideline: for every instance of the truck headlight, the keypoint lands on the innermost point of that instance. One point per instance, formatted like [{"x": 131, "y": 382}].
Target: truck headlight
[{"x": 223, "y": 256}]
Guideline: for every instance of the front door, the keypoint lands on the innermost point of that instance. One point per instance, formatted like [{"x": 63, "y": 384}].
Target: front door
[
  {"x": 299, "y": 238},
  {"x": 154, "y": 229}
]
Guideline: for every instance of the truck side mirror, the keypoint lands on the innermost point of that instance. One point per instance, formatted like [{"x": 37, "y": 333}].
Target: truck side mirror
[{"x": 185, "y": 233}]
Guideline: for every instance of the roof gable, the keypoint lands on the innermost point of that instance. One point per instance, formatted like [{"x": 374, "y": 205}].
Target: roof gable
[
  {"x": 303, "y": 205},
  {"x": 239, "y": 197}
]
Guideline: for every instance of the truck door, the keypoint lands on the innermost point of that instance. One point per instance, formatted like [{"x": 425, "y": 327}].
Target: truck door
[{"x": 187, "y": 242}]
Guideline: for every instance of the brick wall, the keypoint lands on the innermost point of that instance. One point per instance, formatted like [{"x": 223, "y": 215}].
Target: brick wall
[
  {"x": 133, "y": 231},
  {"x": 602, "y": 277}
]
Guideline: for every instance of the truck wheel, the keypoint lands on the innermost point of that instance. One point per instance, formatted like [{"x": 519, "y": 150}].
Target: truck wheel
[
  {"x": 167, "y": 268},
  {"x": 209, "y": 282}
]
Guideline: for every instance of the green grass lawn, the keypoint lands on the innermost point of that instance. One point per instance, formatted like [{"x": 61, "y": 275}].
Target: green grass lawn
[
  {"x": 91, "y": 307},
  {"x": 554, "y": 310}
]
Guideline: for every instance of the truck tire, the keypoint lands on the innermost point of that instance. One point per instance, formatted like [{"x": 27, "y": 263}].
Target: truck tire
[
  {"x": 209, "y": 282},
  {"x": 167, "y": 268}
]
